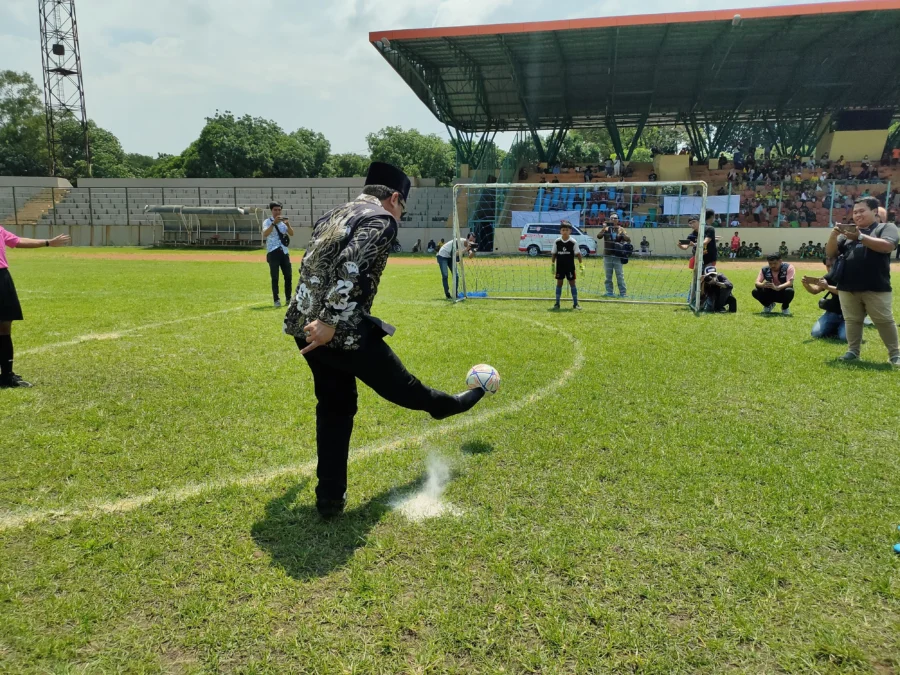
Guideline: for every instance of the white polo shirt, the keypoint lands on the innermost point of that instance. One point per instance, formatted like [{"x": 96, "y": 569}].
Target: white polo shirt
[{"x": 273, "y": 243}]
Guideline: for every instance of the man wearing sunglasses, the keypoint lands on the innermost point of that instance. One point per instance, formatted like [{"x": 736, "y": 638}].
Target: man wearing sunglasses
[{"x": 341, "y": 342}]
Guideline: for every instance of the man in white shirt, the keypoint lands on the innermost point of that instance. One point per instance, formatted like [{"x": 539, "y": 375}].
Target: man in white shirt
[
  {"x": 445, "y": 258},
  {"x": 276, "y": 231}
]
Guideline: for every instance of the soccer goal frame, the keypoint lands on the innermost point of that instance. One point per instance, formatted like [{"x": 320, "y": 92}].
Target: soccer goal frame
[{"x": 696, "y": 189}]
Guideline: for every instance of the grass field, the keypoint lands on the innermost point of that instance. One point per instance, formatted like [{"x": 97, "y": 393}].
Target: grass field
[{"x": 650, "y": 492}]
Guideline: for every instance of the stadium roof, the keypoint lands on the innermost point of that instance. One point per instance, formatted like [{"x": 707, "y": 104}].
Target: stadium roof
[{"x": 787, "y": 62}]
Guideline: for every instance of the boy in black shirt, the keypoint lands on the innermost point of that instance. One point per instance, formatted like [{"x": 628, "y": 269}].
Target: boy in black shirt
[{"x": 565, "y": 250}]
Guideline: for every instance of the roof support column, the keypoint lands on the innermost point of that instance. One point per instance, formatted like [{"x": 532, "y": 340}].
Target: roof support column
[
  {"x": 638, "y": 132},
  {"x": 471, "y": 146},
  {"x": 613, "y": 129}
]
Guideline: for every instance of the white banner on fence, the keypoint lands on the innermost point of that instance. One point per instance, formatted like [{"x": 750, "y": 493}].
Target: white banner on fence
[
  {"x": 690, "y": 206},
  {"x": 522, "y": 218}
]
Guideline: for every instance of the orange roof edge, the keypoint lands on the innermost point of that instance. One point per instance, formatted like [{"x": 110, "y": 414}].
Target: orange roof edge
[{"x": 852, "y": 6}]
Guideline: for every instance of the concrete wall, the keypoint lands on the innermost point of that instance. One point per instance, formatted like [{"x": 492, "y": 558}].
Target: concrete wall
[
  {"x": 853, "y": 145},
  {"x": 672, "y": 167},
  {"x": 25, "y": 181}
]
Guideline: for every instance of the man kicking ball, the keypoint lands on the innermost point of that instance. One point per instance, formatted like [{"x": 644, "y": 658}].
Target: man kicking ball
[
  {"x": 562, "y": 262},
  {"x": 329, "y": 318},
  {"x": 10, "y": 309}
]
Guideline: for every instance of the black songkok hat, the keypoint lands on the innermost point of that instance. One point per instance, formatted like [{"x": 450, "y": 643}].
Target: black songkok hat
[{"x": 389, "y": 176}]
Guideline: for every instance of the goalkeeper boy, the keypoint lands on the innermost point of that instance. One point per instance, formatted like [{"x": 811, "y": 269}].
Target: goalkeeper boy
[{"x": 565, "y": 250}]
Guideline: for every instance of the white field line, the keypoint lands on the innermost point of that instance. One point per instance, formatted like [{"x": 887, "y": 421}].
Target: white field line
[
  {"x": 92, "y": 337},
  {"x": 9, "y": 521}
]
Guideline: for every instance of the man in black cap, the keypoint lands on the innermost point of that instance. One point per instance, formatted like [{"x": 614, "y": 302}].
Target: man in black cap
[{"x": 329, "y": 318}]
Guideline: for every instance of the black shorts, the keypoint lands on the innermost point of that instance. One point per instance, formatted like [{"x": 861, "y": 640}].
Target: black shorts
[
  {"x": 570, "y": 275},
  {"x": 10, "y": 309}
]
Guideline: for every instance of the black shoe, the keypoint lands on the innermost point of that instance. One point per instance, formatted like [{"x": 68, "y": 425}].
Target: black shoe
[
  {"x": 13, "y": 381},
  {"x": 556, "y": 306},
  {"x": 449, "y": 297},
  {"x": 467, "y": 401},
  {"x": 330, "y": 508}
]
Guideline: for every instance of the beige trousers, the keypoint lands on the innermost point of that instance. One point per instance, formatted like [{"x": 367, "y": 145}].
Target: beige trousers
[{"x": 878, "y": 306}]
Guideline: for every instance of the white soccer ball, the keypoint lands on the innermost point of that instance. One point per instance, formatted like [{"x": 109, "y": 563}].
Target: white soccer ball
[{"x": 485, "y": 377}]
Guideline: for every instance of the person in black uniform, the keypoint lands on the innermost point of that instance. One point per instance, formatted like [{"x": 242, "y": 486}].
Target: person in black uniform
[
  {"x": 565, "y": 250},
  {"x": 329, "y": 318},
  {"x": 709, "y": 252}
]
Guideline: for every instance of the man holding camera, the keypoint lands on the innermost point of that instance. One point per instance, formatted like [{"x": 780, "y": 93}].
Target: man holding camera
[
  {"x": 277, "y": 232},
  {"x": 775, "y": 284},
  {"x": 863, "y": 276},
  {"x": 614, "y": 236},
  {"x": 716, "y": 292}
]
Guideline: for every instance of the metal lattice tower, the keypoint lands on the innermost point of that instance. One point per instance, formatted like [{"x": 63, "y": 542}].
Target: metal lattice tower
[{"x": 63, "y": 85}]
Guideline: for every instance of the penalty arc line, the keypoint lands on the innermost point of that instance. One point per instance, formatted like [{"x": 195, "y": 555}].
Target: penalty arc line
[
  {"x": 11, "y": 521},
  {"x": 96, "y": 337}
]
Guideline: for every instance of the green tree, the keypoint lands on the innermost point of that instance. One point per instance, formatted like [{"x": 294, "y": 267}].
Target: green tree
[
  {"x": 107, "y": 155},
  {"x": 417, "y": 154},
  {"x": 317, "y": 147},
  {"x": 23, "y": 132},
  {"x": 230, "y": 147},
  {"x": 167, "y": 166},
  {"x": 139, "y": 164},
  {"x": 347, "y": 165}
]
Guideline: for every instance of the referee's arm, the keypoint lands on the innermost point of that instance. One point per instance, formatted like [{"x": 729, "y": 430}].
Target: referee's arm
[{"x": 60, "y": 240}]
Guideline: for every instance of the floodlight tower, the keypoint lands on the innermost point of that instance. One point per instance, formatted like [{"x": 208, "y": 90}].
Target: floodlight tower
[{"x": 63, "y": 86}]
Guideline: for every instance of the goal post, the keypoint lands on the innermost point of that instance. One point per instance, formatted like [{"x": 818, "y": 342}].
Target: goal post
[{"x": 516, "y": 224}]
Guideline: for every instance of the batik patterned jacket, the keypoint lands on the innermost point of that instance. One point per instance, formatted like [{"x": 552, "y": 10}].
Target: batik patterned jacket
[{"x": 339, "y": 277}]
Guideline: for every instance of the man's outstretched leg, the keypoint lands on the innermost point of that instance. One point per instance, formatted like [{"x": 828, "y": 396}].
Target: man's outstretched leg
[
  {"x": 379, "y": 368},
  {"x": 336, "y": 408}
]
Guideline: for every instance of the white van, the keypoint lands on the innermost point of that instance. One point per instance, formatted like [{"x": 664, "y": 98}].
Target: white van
[{"x": 538, "y": 238}]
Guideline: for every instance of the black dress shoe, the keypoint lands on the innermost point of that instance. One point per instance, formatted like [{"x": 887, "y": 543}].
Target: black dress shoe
[
  {"x": 330, "y": 508},
  {"x": 13, "y": 381},
  {"x": 467, "y": 401}
]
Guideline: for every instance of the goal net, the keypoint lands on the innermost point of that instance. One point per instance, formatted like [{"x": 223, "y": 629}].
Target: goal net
[{"x": 628, "y": 234}]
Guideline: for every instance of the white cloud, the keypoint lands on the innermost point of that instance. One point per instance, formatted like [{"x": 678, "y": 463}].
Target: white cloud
[{"x": 153, "y": 71}]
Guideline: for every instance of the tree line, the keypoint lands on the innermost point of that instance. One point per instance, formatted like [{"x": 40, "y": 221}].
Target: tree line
[{"x": 228, "y": 146}]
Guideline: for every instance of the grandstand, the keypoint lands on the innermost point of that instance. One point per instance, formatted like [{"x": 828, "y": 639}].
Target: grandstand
[{"x": 702, "y": 70}]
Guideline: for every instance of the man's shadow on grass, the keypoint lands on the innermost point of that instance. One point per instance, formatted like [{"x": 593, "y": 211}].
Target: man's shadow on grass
[{"x": 305, "y": 545}]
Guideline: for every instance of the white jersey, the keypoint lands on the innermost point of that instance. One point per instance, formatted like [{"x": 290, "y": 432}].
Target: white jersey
[{"x": 447, "y": 249}]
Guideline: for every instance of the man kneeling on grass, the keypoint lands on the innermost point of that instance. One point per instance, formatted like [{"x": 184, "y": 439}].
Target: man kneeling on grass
[
  {"x": 831, "y": 323},
  {"x": 775, "y": 284}
]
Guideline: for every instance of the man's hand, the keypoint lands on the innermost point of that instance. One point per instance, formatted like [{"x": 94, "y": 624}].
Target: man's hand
[
  {"x": 317, "y": 334},
  {"x": 60, "y": 240},
  {"x": 852, "y": 235}
]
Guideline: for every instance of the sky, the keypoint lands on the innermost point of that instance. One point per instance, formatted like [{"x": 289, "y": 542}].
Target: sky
[{"x": 153, "y": 71}]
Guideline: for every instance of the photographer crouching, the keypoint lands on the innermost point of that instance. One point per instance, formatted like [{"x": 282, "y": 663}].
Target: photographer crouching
[
  {"x": 277, "y": 232},
  {"x": 716, "y": 292}
]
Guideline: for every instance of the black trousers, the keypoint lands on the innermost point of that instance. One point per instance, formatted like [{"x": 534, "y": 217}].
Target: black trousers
[
  {"x": 767, "y": 296},
  {"x": 335, "y": 373},
  {"x": 279, "y": 260}
]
